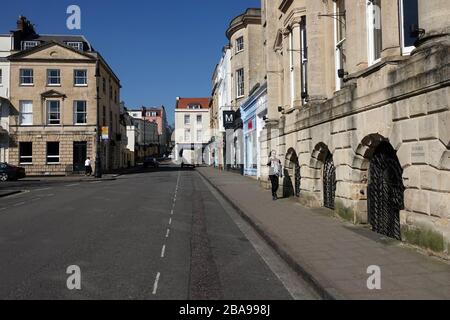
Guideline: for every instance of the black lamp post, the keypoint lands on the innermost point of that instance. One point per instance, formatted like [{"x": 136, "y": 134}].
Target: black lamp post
[{"x": 98, "y": 161}]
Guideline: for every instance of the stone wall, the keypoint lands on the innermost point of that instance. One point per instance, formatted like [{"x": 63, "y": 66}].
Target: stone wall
[{"x": 404, "y": 103}]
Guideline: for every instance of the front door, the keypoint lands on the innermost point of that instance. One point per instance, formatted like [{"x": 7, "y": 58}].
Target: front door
[{"x": 79, "y": 156}]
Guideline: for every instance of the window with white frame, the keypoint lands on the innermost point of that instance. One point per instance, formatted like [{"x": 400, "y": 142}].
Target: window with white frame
[
  {"x": 80, "y": 108},
  {"x": 29, "y": 44},
  {"x": 53, "y": 112},
  {"x": 340, "y": 39},
  {"x": 187, "y": 119},
  {"x": 80, "y": 77},
  {"x": 26, "y": 77},
  {"x": 240, "y": 85},
  {"x": 53, "y": 77},
  {"x": 374, "y": 31},
  {"x": 199, "y": 135},
  {"x": 239, "y": 44},
  {"x": 187, "y": 135},
  {"x": 409, "y": 20},
  {"x": 52, "y": 152},
  {"x": 76, "y": 45},
  {"x": 304, "y": 58},
  {"x": 25, "y": 153},
  {"x": 26, "y": 113}
]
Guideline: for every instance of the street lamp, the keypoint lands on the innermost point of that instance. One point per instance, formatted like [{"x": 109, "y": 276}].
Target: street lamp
[{"x": 98, "y": 161}]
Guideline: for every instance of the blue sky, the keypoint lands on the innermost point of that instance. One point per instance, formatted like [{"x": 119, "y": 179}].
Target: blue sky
[{"x": 159, "y": 49}]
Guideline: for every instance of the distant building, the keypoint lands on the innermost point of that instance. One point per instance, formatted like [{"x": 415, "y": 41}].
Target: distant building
[
  {"x": 143, "y": 136},
  {"x": 192, "y": 130},
  {"x": 158, "y": 115}
]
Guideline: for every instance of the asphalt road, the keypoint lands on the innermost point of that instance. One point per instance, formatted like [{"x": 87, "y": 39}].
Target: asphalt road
[{"x": 154, "y": 235}]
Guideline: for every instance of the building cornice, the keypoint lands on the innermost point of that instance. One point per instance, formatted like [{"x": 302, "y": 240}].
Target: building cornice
[{"x": 251, "y": 16}]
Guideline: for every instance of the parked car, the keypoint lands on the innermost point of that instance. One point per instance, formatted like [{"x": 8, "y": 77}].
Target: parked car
[
  {"x": 10, "y": 172},
  {"x": 151, "y": 162}
]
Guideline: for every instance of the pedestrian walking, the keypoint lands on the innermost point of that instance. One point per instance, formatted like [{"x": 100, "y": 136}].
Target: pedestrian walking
[
  {"x": 88, "y": 167},
  {"x": 275, "y": 173}
]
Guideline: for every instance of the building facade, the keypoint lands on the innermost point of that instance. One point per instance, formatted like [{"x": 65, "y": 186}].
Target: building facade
[
  {"x": 5, "y": 51},
  {"x": 358, "y": 108},
  {"x": 192, "y": 131},
  {"x": 54, "y": 118},
  {"x": 221, "y": 102},
  {"x": 253, "y": 113},
  {"x": 247, "y": 72},
  {"x": 144, "y": 137},
  {"x": 158, "y": 115}
]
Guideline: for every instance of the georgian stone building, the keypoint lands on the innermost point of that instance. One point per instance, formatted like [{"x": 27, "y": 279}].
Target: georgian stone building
[
  {"x": 358, "y": 107},
  {"x": 55, "y": 82}
]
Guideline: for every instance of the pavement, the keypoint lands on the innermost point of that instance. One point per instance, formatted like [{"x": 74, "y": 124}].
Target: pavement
[
  {"x": 159, "y": 235},
  {"x": 333, "y": 256}
]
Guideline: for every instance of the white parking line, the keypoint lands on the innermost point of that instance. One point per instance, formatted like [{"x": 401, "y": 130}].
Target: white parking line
[
  {"x": 163, "y": 251},
  {"x": 155, "y": 285}
]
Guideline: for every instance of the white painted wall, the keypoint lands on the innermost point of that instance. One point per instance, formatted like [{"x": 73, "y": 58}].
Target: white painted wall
[{"x": 5, "y": 50}]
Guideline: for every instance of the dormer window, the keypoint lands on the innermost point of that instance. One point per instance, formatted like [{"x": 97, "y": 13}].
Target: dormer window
[
  {"x": 76, "y": 45},
  {"x": 29, "y": 44},
  {"x": 194, "y": 107}
]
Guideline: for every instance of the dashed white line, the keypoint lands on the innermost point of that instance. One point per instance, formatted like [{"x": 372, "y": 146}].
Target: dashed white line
[
  {"x": 2, "y": 209},
  {"x": 163, "y": 251},
  {"x": 171, "y": 212},
  {"x": 155, "y": 285},
  {"x": 35, "y": 199},
  {"x": 167, "y": 233},
  {"x": 72, "y": 185},
  {"x": 170, "y": 221},
  {"x": 43, "y": 189},
  {"x": 18, "y": 204},
  {"x": 95, "y": 182}
]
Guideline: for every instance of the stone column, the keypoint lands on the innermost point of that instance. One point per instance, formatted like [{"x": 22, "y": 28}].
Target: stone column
[
  {"x": 315, "y": 27},
  {"x": 390, "y": 28}
]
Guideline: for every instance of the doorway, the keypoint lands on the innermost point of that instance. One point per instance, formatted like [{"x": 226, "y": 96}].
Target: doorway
[{"x": 79, "y": 156}]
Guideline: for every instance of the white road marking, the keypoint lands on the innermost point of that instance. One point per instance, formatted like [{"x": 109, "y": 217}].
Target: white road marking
[
  {"x": 1, "y": 209},
  {"x": 155, "y": 285},
  {"x": 171, "y": 212},
  {"x": 167, "y": 233},
  {"x": 18, "y": 204},
  {"x": 72, "y": 185},
  {"x": 43, "y": 189},
  {"x": 95, "y": 182},
  {"x": 163, "y": 251},
  {"x": 49, "y": 195},
  {"x": 35, "y": 199},
  {"x": 170, "y": 221}
]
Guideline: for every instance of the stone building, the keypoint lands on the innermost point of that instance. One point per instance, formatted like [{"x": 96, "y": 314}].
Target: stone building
[
  {"x": 358, "y": 106},
  {"x": 247, "y": 72},
  {"x": 5, "y": 50},
  {"x": 55, "y": 81},
  {"x": 220, "y": 102}
]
